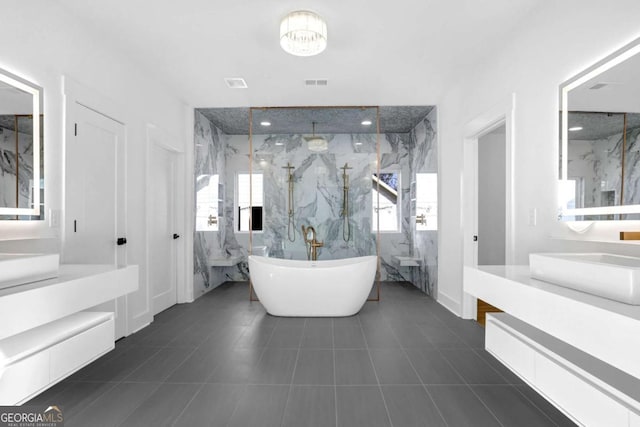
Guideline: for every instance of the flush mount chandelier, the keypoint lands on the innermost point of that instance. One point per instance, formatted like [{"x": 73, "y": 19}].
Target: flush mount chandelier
[{"x": 303, "y": 33}]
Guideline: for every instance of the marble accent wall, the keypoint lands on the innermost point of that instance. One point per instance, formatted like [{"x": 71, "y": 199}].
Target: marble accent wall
[
  {"x": 317, "y": 194},
  {"x": 16, "y": 166},
  {"x": 598, "y": 164},
  {"x": 631, "y": 194},
  {"x": 318, "y": 199},
  {"x": 424, "y": 159},
  {"x": 211, "y": 149},
  {"x": 411, "y": 153}
]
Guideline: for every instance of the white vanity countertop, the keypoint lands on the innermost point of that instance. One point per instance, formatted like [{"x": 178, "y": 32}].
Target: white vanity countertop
[
  {"x": 606, "y": 329},
  {"x": 78, "y": 287},
  {"x": 521, "y": 275}
]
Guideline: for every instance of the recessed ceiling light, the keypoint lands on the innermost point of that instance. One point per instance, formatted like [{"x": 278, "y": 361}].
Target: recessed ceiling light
[
  {"x": 235, "y": 82},
  {"x": 575, "y": 128},
  {"x": 358, "y": 143},
  {"x": 366, "y": 123},
  {"x": 265, "y": 123}
]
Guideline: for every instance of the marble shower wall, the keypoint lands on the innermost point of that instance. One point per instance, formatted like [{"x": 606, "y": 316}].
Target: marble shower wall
[
  {"x": 211, "y": 148},
  {"x": 598, "y": 163},
  {"x": 317, "y": 194},
  {"x": 424, "y": 159},
  {"x": 317, "y": 199},
  {"x": 411, "y": 153},
  {"x": 631, "y": 194},
  {"x": 14, "y": 159}
]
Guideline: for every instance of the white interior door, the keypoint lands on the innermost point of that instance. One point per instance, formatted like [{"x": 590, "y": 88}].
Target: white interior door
[
  {"x": 95, "y": 202},
  {"x": 161, "y": 227}
]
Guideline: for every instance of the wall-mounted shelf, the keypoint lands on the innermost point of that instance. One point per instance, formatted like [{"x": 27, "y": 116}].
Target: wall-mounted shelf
[
  {"x": 226, "y": 262},
  {"x": 45, "y": 335},
  {"x": 407, "y": 261}
]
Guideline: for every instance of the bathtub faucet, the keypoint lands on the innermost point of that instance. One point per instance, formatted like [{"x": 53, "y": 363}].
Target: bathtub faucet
[{"x": 312, "y": 244}]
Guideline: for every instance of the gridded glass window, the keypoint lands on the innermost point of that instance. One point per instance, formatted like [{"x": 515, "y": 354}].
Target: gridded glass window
[
  {"x": 245, "y": 207},
  {"x": 386, "y": 209}
]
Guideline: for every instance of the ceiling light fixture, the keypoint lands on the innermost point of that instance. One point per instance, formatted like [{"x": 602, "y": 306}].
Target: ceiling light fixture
[
  {"x": 303, "y": 33},
  {"x": 366, "y": 123},
  {"x": 575, "y": 128},
  {"x": 316, "y": 143},
  {"x": 265, "y": 123}
]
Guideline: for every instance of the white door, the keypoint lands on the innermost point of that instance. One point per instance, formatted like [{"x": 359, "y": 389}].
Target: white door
[
  {"x": 95, "y": 202},
  {"x": 161, "y": 228}
]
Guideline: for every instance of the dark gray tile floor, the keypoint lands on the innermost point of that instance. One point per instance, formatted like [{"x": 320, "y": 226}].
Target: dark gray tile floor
[{"x": 222, "y": 361}]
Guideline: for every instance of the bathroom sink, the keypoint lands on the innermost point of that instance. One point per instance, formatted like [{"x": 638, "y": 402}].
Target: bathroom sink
[
  {"x": 18, "y": 269},
  {"x": 610, "y": 276}
]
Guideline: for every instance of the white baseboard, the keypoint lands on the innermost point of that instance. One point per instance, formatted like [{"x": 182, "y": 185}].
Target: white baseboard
[{"x": 449, "y": 303}]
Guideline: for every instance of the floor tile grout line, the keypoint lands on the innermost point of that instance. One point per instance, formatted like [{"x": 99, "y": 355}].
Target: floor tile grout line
[
  {"x": 404, "y": 351},
  {"x": 384, "y": 401},
  {"x": 187, "y": 404},
  {"x": 466, "y": 383},
  {"x": 335, "y": 388},
  {"x": 140, "y": 404},
  {"x": 244, "y": 391},
  {"x": 489, "y": 364},
  {"x": 293, "y": 375},
  {"x": 516, "y": 386}
]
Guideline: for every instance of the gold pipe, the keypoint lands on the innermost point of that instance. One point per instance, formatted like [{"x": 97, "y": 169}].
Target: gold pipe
[
  {"x": 623, "y": 159},
  {"x": 378, "y": 267},
  {"x": 15, "y": 132},
  {"x": 250, "y": 197}
]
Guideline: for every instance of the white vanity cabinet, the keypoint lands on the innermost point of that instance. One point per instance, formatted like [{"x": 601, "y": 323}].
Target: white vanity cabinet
[
  {"x": 45, "y": 335},
  {"x": 578, "y": 350}
]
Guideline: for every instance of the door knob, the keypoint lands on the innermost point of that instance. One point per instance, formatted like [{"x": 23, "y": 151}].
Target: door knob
[
  {"x": 121, "y": 241},
  {"x": 175, "y": 236}
]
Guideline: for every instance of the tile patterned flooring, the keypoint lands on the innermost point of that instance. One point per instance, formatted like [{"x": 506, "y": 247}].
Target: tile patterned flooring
[{"x": 222, "y": 361}]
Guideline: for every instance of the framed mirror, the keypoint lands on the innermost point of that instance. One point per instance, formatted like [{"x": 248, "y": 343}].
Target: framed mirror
[
  {"x": 21, "y": 183},
  {"x": 600, "y": 140}
]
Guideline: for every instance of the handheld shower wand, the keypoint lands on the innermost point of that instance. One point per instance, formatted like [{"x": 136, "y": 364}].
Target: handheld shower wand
[
  {"x": 346, "y": 227},
  {"x": 291, "y": 228}
]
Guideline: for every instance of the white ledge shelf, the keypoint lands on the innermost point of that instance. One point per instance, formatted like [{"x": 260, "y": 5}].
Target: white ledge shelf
[
  {"x": 407, "y": 261},
  {"x": 78, "y": 287},
  {"x": 225, "y": 262}
]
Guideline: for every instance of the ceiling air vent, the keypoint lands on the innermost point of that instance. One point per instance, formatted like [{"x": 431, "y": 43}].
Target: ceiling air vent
[
  {"x": 600, "y": 85},
  {"x": 316, "y": 82},
  {"x": 236, "y": 83}
]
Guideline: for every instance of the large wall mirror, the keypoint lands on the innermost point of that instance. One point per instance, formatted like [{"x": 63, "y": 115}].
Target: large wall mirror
[
  {"x": 600, "y": 140},
  {"x": 21, "y": 146}
]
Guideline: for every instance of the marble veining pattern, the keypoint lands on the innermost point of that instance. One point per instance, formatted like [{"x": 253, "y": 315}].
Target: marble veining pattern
[
  {"x": 209, "y": 159},
  {"x": 318, "y": 198},
  {"x": 631, "y": 194},
  {"x": 12, "y": 161}
]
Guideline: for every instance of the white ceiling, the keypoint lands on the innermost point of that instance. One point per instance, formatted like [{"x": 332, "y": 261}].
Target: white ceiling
[{"x": 380, "y": 52}]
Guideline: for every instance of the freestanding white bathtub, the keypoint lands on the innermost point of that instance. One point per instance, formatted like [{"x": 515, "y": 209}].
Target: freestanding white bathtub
[{"x": 332, "y": 288}]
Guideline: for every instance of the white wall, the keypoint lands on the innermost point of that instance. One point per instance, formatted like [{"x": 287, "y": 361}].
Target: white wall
[
  {"x": 491, "y": 197},
  {"x": 557, "y": 41},
  {"x": 42, "y": 43}
]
